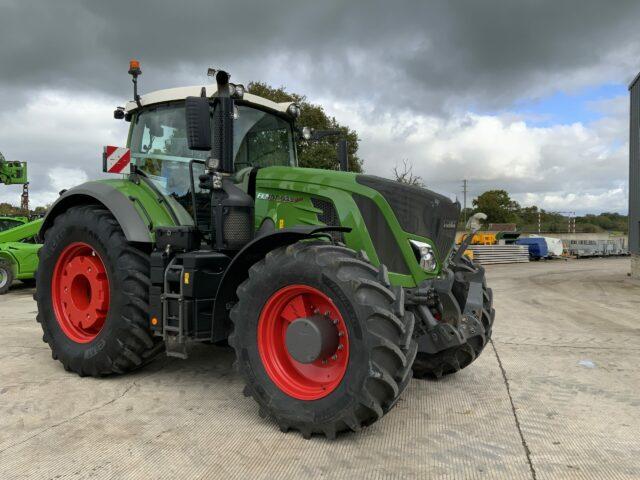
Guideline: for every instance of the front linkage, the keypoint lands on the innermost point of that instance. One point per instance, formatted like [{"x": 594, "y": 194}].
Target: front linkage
[{"x": 454, "y": 318}]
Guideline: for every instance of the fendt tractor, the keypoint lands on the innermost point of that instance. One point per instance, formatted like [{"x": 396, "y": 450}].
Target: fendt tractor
[{"x": 331, "y": 286}]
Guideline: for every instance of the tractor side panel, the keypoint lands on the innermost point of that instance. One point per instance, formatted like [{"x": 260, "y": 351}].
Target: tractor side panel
[{"x": 299, "y": 196}]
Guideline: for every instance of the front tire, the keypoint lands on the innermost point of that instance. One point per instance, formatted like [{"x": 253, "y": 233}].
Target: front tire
[
  {"x": 343, "y": 389},
  {"x": 92, "y": 294}
]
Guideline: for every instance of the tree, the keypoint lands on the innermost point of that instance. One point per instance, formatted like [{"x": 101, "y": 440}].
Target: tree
[
  {"x": 320, "y": 153},
  {"x": 497, "y": 205},
  {"x": 406, "y": 175},
  {"x": 8, "y": 209}
]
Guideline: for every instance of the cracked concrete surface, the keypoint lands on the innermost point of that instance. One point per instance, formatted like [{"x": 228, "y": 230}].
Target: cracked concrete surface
[{"x": 558, "y": 396}]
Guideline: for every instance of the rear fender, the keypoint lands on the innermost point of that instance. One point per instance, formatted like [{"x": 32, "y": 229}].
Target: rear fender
[
  {"x": 256, "y": 250},
  {"x": 136, "y": 223}
]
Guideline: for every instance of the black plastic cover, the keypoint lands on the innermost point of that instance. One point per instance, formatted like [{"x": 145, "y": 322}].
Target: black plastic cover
[
  {"x": 381, "y": 235},
  {"x": 419, "y": 211},
  {"x": 184, "y": 237},
  {"x": 203, "y": 271}
]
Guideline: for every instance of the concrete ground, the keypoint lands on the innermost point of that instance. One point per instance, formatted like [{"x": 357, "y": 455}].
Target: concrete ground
[{"x": 557, "y": 395}]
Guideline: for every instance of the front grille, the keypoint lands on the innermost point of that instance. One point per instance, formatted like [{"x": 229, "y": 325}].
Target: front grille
[
  {"x": 381, "y": 235},
  {"x": 328, "y": 216},
  {"x": 419, "y": 211}
]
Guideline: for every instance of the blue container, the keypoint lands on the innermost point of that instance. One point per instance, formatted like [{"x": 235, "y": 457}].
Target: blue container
[{"x": 537, "y": 247}]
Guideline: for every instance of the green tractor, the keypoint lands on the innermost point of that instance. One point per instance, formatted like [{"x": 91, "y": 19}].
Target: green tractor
[
  {"x": 332, "y": 287},
  {"x": 18, "y": 247}
]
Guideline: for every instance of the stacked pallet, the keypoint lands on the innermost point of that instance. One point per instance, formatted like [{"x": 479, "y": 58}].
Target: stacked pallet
[{"x": 491, "y": 254}]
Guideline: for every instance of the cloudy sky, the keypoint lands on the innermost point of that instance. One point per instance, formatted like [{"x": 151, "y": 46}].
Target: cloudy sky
[{"x": 529, "y": 96}]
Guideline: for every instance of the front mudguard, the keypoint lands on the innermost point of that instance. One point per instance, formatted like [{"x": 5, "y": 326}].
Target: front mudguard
[{"x": 462, "y": 302}]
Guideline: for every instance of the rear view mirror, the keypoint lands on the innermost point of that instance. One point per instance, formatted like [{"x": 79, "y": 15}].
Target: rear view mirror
[{"x": 198, "y": 123}]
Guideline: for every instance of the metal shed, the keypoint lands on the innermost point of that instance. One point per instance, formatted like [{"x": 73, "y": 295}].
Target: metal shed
[{"x": 634, "y": 176}]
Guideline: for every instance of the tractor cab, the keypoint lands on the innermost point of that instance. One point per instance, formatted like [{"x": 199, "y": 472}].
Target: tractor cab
[
  {"x": 262, "y": 137},
  {"x": 261, "y": 134}
]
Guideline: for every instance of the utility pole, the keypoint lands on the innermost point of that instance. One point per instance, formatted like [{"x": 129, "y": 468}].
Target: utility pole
[
  {"x": 539, "y": 221},
  {"x": 464, "y": 208},
  {"x": 571, "y": 228}
]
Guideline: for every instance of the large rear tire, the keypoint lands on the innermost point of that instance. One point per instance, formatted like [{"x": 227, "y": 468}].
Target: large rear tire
[
  {"x": 92, "y": 294},
  {"x": 349, "y": 387}
]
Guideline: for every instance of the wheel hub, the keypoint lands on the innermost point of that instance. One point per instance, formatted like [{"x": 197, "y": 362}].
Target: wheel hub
[
  {"x": 303, "y": 342},
  {"x": 80, "y": 292},
  {"x": 311, "y": 339}
]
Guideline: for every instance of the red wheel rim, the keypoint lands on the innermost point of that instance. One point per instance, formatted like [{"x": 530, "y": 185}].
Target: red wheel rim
[
  {"x": 80, "y": 292},
  {"x": 310, "y": 381}
]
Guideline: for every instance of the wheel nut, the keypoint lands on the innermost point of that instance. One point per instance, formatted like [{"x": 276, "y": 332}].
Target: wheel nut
[
  {"x": 340, "y": 347},
  {"x": 334, "y": 357}
]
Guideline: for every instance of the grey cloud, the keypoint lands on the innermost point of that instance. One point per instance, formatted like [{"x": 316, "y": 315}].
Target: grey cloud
[
  {"x": 402, "y": 58},
  {"x": 433, "y": 55}
]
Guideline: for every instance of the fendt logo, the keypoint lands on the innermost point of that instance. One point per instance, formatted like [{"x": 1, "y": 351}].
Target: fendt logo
[
  {"x": 116, "y": 160},
  {"x": 278, "y": 198},
  {"x": 449, "y": 224}
]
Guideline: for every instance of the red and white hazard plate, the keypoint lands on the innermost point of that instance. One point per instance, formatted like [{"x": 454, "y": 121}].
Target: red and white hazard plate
[{"x": 116, "y": 160}]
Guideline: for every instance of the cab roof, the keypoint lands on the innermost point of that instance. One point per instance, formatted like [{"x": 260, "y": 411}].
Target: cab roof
[{"x": 180, "y": 93}]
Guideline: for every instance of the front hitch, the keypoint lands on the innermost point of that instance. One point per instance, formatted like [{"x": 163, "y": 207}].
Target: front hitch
[{"x": 451, "y": 309}]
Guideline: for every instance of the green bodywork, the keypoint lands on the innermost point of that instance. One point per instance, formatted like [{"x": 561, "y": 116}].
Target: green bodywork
[
  {"x": 151, "y": 206},
  {"x": 17, "y": 246},
  {"x": 301, "y": 184},
  {"x": 283, "y": 194}
]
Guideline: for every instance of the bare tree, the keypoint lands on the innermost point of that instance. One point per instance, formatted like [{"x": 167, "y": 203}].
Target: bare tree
[{"x": 405, "y": 174}]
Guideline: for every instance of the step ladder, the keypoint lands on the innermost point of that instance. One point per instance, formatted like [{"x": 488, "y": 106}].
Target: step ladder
[{"x": 173, "y": 326}]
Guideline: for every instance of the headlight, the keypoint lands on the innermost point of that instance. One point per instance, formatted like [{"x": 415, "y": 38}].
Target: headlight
[
  {"x": 425, "y": 255},
  {"x": 236, "y": 91},
  {"x": 294, "y": 110}
]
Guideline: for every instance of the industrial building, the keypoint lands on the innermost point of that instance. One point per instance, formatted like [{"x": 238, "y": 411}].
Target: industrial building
[{"x": 634, "y": 177}]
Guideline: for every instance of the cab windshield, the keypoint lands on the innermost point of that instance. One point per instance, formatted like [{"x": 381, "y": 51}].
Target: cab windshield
[{"x": 159, "y": 145}]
